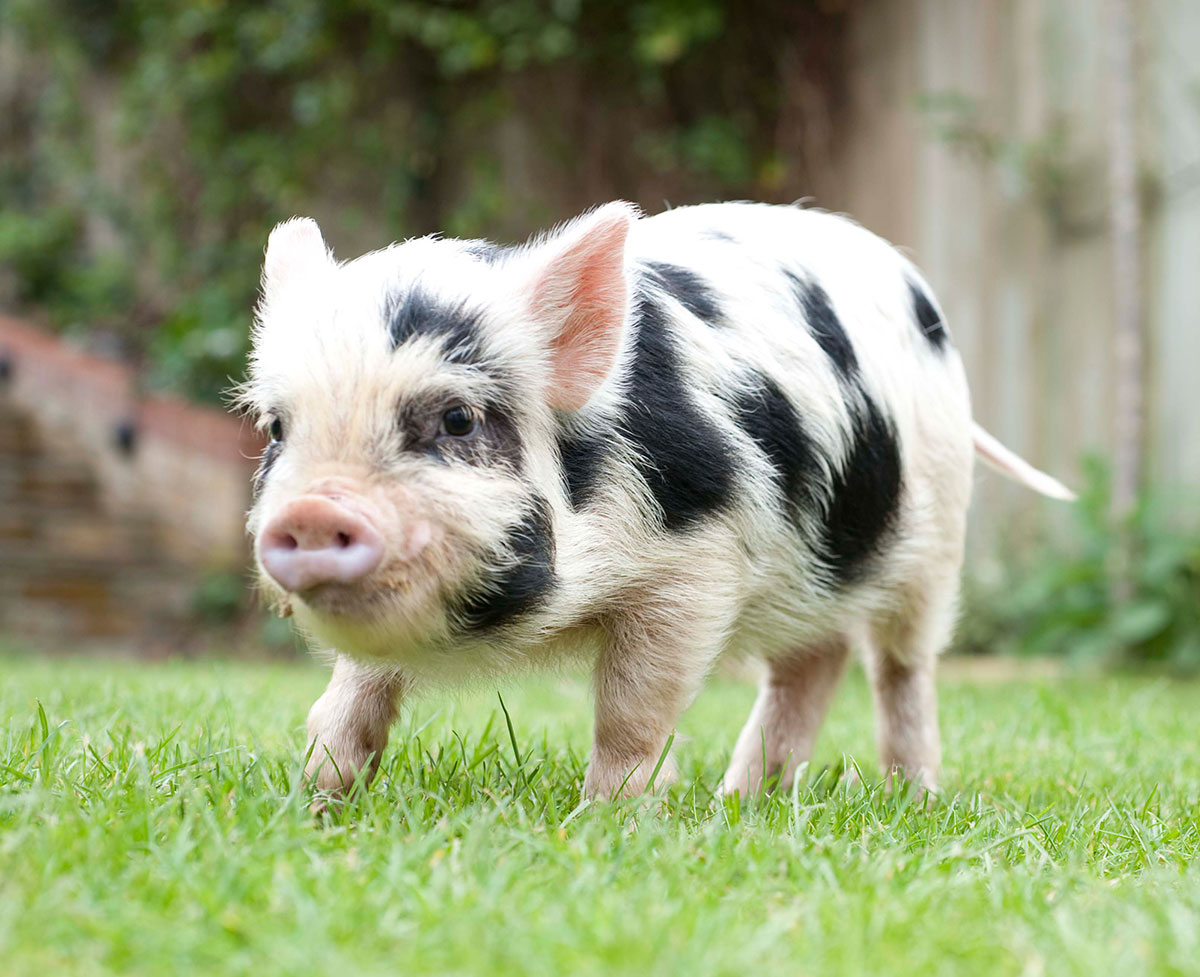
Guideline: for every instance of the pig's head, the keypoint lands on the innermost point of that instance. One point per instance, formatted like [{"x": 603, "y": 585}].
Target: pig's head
[{"x": 411, "y": 398}]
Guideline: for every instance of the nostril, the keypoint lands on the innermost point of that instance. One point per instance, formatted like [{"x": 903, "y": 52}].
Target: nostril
[{"x": 314, "y": 541}]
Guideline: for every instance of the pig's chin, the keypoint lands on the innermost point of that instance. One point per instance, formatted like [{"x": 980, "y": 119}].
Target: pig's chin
[
  {"x": 366, "y": 619},
  {"x": 346, "y": 601}
]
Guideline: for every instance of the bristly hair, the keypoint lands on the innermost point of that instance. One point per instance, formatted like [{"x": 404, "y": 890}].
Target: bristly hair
[
  {"x": 414, "y": 312},
  {"x": 525, "y": 580}
]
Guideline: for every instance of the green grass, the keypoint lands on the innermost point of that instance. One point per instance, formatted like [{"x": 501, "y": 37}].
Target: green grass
[{"x": 152, "y": 822}]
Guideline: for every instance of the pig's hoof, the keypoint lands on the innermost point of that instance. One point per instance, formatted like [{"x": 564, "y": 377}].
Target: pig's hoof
[
  {"x": 328, "y": 796},
  {"x": 340, "y": 775},
  {"x": 616, "y": 781},
  {"x": 919, "y": 786}
]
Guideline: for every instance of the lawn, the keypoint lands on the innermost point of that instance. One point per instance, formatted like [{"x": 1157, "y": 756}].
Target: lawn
[{"x": 152, "y": 822}]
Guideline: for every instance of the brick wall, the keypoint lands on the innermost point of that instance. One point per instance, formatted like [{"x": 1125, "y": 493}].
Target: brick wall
[{"x": 112, "y": 507}]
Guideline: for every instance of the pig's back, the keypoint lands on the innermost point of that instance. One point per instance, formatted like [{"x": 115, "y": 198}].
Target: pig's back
[
  {"x": 821, "y": 344},
  {"x": 764, "y": 272},
  {"x": 824, "y": 305}
]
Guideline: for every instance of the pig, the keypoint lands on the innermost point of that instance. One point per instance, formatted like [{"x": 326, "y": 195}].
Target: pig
[{"x": 637, "y": 443}]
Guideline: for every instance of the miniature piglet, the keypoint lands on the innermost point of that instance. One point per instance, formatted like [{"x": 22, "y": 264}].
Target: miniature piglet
[{"x": 637, "y": 443}]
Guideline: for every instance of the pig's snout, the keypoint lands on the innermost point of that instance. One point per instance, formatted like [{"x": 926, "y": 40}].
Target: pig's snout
[{"x": 313, "y": 540}]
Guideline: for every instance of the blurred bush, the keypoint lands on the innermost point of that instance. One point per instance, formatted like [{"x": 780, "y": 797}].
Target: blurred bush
[
  {"x": 228, "y": 616},
  {"x": 1058, "y": 599},
  {"x": 147, "y": 148}
]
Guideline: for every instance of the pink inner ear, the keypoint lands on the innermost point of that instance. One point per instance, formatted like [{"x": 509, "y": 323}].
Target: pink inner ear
[{"x": 583, "y": 293}]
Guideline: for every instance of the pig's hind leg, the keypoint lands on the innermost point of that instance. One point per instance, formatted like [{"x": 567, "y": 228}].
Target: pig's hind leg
[
  {"x": 348, "y": 725},
  {"x": 902, "y": 665},
  {"x": 792, "y": 702}
]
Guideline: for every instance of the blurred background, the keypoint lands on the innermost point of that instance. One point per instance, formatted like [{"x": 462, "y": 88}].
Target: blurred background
[{"x": 1039, "y": 159}]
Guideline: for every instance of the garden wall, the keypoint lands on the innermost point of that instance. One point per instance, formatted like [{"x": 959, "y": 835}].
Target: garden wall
[{"x": 113, "y": 506}]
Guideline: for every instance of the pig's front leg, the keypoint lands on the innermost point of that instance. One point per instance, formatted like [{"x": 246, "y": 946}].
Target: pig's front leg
[
  {"x": 648, "y": 673},
  {"x": 348, "y": 726}
]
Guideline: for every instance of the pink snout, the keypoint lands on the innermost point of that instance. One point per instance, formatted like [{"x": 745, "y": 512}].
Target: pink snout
[{"x": 313, "y": 540}]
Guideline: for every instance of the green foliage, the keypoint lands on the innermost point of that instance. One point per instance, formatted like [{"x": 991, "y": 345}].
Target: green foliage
[
  {"x": 34, "y": 251},
  {"x": 151, "y": 146},
  {"x": 153, "y": 821},
  {"x": 219, "y": 597},
  {"x": 229, "y": 617},
  {"x": 1060, "y": 600}
]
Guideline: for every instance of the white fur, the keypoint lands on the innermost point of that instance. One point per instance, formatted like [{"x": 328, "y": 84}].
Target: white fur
[{"x": 650, "y": 609}]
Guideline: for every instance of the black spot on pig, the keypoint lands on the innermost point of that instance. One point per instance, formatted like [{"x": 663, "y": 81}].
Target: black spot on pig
[
  {"x": 824, "y": 324},
  {"x": 766, "y": 414},
  {"x": 865, "y": 500},
  {"x": 929, "y": 320},
  {"x": 417, "y": 313},
  {"x": 582, "y": 456},
  {"x": 688, "y": 288},
  {"x": 265, "y": 463},
  {"x": 524, "y": 580},
  {"x": 686, "y": 461}
]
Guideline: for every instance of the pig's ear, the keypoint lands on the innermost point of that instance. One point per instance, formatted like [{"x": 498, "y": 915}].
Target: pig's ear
[
  {"x": 295, "y": 250},
  {"x": 579, "y": 293}
]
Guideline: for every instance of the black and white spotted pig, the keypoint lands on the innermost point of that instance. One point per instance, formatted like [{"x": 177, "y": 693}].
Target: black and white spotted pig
[{"x": 636, "y": 442}]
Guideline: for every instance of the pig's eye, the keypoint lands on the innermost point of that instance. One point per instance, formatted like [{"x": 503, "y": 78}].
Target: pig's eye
[
  {"x": 276, "y": 430},
  {"x": 458, "y": 421}
]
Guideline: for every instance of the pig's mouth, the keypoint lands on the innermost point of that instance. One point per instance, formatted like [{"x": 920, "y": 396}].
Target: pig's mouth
[
  {"x": 377, "y": 618},
  {"x": 343, "y": 600},
  {"x": 385, "y": 595}
]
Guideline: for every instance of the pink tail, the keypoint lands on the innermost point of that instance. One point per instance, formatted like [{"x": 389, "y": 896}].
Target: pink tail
[{"x": 1017, "y": 468}]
